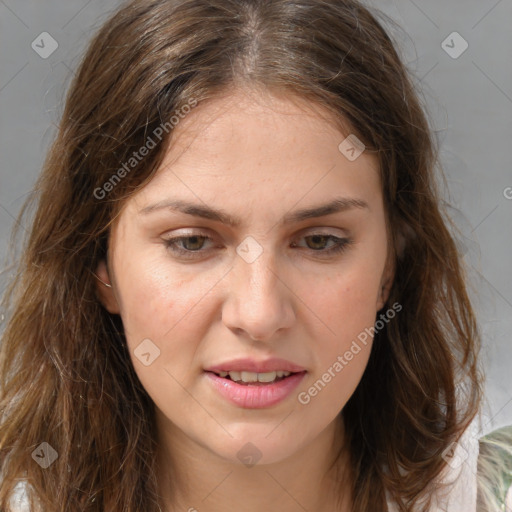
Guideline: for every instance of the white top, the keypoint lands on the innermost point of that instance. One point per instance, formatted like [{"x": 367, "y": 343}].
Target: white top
[{"x": 459, "y": 496}]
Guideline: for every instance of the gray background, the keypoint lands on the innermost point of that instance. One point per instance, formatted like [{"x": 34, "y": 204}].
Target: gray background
[{"x": 468, "y": 98}]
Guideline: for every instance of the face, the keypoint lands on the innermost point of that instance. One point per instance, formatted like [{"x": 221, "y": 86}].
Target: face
[{"x": 217, "y": 259}]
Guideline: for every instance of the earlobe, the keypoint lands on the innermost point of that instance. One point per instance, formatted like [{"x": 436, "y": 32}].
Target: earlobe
[
  {"x": 386, "y": 284},
  {"x": 104, "y": 289}
]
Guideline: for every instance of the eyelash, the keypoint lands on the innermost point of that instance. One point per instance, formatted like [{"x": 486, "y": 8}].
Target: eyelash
[{"x": 341, "y": 244}]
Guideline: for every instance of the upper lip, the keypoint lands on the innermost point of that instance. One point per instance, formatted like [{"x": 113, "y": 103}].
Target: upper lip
[{"x": 251, "y": 365}]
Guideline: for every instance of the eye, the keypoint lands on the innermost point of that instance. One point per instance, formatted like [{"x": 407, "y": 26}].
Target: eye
[
  {"x": 190, "y": 246},
  {"x": 319, "y": 241}
]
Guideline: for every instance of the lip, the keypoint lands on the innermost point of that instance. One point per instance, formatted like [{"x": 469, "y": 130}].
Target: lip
[
  {"x": 251, "y": 365},
  {"x": 255, "y": 396}
]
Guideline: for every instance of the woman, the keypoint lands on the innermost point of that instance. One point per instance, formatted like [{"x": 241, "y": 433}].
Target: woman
[{"x": 239, "y": 291}]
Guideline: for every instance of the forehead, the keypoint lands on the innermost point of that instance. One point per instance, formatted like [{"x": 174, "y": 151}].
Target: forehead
[
  {"x": 252, "y": 117},
  {"x": 258, "y": 148}
]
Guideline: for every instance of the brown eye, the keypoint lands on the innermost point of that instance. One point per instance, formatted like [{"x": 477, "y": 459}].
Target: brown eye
[
  {"x": 321, "y": 244},
  {"x": 187, "y": 245},
  {"x": 319, "y": 241}
]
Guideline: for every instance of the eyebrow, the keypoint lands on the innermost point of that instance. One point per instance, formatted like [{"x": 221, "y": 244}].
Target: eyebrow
[{"x": 339, "y": 204}]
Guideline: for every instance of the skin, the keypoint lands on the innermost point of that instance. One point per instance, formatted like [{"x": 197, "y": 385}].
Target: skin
[{"x": 256, "y": 156}]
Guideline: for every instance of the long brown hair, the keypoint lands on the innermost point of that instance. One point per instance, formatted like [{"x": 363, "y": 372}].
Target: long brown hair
[{"x": 66, "y": 375}]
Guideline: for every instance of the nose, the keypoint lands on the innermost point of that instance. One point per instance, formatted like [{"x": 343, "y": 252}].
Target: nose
[{"x": 259, "y": 302}]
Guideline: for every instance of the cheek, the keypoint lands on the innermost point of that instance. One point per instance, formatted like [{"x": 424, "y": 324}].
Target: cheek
[
  {"x": 347, "y": 303},
  {"x": 160, "y": 315},
  {"x": 154, "y": 297},
  {"x": 341, "y": 361},
  {"x": 171, "y": 309}
]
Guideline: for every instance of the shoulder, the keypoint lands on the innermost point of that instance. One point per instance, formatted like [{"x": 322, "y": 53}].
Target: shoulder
[
  {"x": 460, "y": 475},
  {"x": 18, "y": 500},
  {"x": 458, "y": 490},
  {"x": 478, "y": 473}
]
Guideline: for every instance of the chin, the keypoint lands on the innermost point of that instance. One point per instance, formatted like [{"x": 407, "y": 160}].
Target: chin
[{"x": 249, "y": 450}]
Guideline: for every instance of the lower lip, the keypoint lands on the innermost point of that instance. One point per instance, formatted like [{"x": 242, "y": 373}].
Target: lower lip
[{"x": 255, "y": 396}]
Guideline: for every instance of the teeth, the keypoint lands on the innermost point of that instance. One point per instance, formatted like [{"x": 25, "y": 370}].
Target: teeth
[
  {"x": 235, "y": 375},
  {"x": 259, "y": 377},
  {"x": 255, "y": 377}
]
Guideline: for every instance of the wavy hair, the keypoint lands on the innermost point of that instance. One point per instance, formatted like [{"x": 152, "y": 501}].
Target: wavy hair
[{"x": 66, "y": 376}]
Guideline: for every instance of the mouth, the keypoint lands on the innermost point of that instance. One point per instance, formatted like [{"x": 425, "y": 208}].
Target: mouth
[
  {"x": 246, "y": 378},
  {"x": 251, "y": 390}
]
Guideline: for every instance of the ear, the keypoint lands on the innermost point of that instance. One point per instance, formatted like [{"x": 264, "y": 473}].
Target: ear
[
  {"x": 104, "y": 292},
  {"x": 386, "y": 283}
]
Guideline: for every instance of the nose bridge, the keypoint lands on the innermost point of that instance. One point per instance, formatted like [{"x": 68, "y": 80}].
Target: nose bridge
[
  {"x": 259, "y": 279},
  {"x": 258, "y": 302}
]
